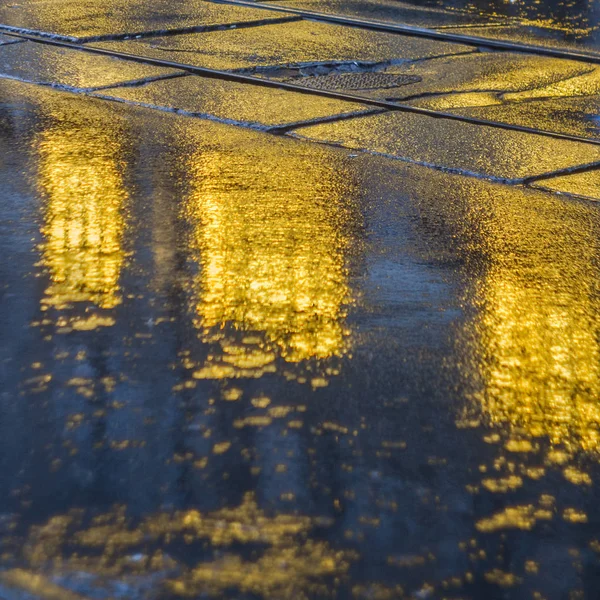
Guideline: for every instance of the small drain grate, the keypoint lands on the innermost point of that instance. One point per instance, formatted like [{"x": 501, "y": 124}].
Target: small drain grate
[{"x": 354, "y": 81}]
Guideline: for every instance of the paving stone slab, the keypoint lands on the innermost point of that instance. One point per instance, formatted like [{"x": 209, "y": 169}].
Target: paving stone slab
[
  {"x": 462, "y": 147},
  {"x": 501, "y": 72},
  {"x": 285, "y": 43},
  {"x": 511, "y": 73},
  {"x": 583, "y": 84},
  {"x": 535, "y": 36},
  {"x": 231, "y": 101},
  {"x": 583, "y": 185},
  {"x": 385, "y": 10},
  {"x": 90, "y": 18},
  {"x": 568, "y": 116},
  {"x": 564, "y": 102},
  {"x": 43, "y": 63},
  {"x": 473, "y": 73}
]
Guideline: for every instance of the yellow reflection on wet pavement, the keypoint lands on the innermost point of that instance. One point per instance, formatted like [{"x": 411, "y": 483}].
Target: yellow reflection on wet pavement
[
  {"x": 535, "y": 338},
  {"x": 79, "y": 176},
  {"x": 273, "y": 278},
  {"x": 585, "y": 84},
  {"x": 288, "y": 563}
]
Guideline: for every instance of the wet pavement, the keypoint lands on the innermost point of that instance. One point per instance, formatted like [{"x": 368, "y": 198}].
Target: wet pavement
[{"x": 298, "y": 308}]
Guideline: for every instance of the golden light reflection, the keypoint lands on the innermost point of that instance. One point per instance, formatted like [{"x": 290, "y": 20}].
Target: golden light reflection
[
  {"x": 584, "y": 84},
  {"x": 272, "y": 235},
  {"x": 290, "y": 564},
  {"x": 84, "y": 193},
  {"x": 535, "y": 339}
]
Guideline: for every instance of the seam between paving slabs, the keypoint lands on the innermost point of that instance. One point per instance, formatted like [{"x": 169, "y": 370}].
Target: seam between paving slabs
[
  {"x": 285, "y": 129},
  {"x": 249, "y": 79},
  {"x": 569, "y": 195},
  {"x": 537, "y": 183},
  {"x": 89, "y": 90},
  {"x": 133, "y": 82},
  {"x": 593, "y": 166},
  {"x": 11, "y": 42}
]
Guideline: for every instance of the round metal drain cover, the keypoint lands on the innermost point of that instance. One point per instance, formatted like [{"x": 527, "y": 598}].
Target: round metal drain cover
[{"x": 354, "y": 81}]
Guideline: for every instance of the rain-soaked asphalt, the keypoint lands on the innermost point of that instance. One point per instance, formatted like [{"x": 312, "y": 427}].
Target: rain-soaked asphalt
[{"x": 296, "y": 310}]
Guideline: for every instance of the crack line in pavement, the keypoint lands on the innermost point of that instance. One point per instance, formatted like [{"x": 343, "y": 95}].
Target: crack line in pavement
[
  {"x": 541, "y": 86},
  {"x": 401, "y": 28},
  {"x": 569, "y": 195},
  {"x": 16, "y": 41},
  {"x": 423, "y": 95},
  {"x": 135, "y": 83},
  {"x": 567, "y": 171},
  {"x": 284, "y": 129},
  {"x": 501, "y": 93},
  {"x": 229, "y": 76}
]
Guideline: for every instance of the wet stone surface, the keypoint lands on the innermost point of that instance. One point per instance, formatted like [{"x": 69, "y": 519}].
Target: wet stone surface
[
  {"x": 282, "y": 44},
  {"x": 585, "y": 42},
  {"x": 386, "y": 10},
  {"x": 252, "y": 366},
  {"x": 86, "y": 19},
  {"x": 569, "y": 116},
  {"x": 583, "y": 185},
  {"x": 242, "y": 366},
  {"x": 235, "y": 102},
  {"x": 475, "y": 149},
  {"x": 51, "y": 65}
]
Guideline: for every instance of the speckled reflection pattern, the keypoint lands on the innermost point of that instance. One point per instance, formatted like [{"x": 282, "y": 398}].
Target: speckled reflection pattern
[
  {"x": 480, "y": 150},
  {"x": 284, "y": 43},
  {"x": 557, "y": 24},
  {"x": 71, "y": 68},
  {"x": 237, "y": 365},
  {"x": 235, "y": 102},
  {"x": 90, "y": 19}
]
